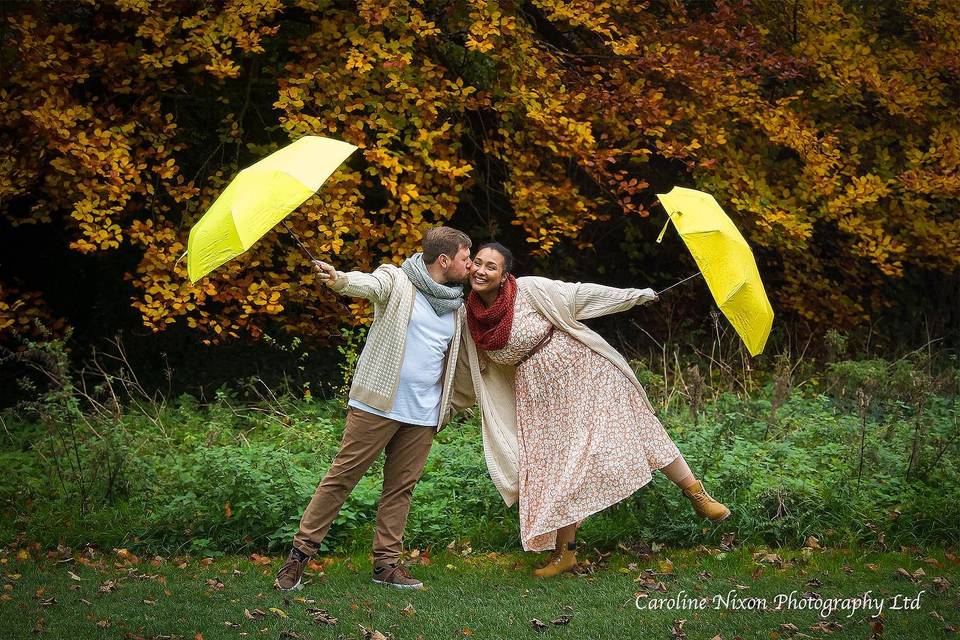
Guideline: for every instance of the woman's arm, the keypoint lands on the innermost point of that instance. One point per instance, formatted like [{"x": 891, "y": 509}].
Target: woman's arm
[{"x": 594, "y": 300}]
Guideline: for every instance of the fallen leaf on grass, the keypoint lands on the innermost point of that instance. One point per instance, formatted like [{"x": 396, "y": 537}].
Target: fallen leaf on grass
[
  {"x": 727, "y": 540},
  {"x": 677, "y": 631},
  {"x": 107, "y": 587},
  {"x": 912, "y": 577},
  {"x": 74, "y": 576},
  {"x": 321, "y": 616},
  {"x": 371, "y": 634},
  {"x": 942, "y": 584},
  {"x": 215, "y": 583},
  {"x": 48, "y": 602},
  {"x": 562, "y": 620},
  {"x": 538, "y": 625},
  {"x": 126, "y": 556},
  {"x": 253, "y": 615},
  {"x": 769, "y": 558},
  {"x": 408, "y": 610},
  {"x": 260, "y": 560},
  {"x": 279, "y": 612},
  {"x": 811, "y": 543},
  {"x": 827, "y": 627},
  {"x": 232, "y": 625}
]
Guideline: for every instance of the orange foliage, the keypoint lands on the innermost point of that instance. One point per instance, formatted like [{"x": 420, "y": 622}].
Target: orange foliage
[{"x": 833, "y": 141}]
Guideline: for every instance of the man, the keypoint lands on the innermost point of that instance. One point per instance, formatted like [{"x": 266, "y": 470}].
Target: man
[{"x": 402, "y": 394}]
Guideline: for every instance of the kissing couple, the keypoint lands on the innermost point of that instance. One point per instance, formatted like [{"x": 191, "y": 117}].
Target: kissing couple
[{"x": 567, "y": 428}]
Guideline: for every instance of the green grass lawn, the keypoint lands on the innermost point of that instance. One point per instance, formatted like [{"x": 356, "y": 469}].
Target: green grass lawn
[{"x": 113, "y": 595}]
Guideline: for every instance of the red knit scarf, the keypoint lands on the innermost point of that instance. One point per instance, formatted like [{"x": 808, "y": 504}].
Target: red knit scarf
[{"x": 490, "y": 326}]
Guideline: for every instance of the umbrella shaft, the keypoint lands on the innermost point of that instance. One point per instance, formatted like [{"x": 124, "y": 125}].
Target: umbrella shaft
[
  {"x": 681, "y": 282},
  {"x": 290, "y": 231}
]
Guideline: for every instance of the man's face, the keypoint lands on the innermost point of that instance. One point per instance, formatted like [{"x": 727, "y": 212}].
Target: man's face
[{"x": 458, "y": 268}]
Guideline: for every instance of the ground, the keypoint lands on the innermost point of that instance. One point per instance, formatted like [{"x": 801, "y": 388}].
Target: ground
[{"x": 114, "y": 594}]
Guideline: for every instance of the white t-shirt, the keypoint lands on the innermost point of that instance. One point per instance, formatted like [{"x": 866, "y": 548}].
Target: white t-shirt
[{"x": 421, "y": 374}]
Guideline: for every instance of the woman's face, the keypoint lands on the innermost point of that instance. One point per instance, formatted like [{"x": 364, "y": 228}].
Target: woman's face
[{"x": 487, "y": 273}]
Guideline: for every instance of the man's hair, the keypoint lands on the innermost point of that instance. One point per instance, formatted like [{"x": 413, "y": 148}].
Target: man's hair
[
  {"x": 445, "y": 240},
  {"x": 503, "y": 251}
]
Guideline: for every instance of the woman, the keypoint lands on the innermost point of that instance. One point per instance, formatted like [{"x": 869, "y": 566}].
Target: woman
[{"x": 567, "y": 427}]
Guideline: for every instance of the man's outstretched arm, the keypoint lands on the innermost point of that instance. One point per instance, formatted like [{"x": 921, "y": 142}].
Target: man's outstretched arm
[{"x": 374, "y": 286}]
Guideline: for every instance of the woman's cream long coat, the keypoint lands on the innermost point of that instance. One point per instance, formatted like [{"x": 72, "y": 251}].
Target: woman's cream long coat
[{"x": 564, "y": 304}]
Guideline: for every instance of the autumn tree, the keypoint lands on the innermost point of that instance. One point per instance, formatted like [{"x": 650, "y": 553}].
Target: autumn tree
[{"x": 829, "y": 130}]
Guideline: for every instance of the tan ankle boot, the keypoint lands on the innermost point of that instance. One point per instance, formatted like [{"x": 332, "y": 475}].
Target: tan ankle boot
[
  {"x": 561, "y": 561},
  {"x": 703, "y": 504}
]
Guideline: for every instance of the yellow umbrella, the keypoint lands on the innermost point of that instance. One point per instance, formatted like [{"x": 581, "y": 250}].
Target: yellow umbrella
[
  {"x": 726, "y": 261},
  {"x": 259, "y": 198}
]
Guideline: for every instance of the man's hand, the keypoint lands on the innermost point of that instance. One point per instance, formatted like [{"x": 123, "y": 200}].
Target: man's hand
[{"x": 326, "y": 272}]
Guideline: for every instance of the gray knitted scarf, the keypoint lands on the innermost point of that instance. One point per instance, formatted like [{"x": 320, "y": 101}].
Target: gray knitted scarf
[{"x": 444, "y": 298}]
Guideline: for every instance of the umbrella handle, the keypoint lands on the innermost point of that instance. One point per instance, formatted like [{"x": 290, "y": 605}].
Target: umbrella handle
[
  {"x": 665, "y": 225},
  {"x": 681, "y": 282},
  {"x": 290, "y": 231}
]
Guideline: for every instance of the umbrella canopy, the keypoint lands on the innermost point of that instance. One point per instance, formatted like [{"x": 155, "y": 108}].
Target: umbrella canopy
[
  {"x": 726, "y": 261},
  {"x": 259, "y": 198}
]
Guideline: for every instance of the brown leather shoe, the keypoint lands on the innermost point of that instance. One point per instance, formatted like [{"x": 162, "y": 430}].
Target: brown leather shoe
[
  {"x": 703, "y": 504},
  {"x": 290, "y": 574},
  {"x": 560, "y": 561},
  {"x": 395, "y": 575}
]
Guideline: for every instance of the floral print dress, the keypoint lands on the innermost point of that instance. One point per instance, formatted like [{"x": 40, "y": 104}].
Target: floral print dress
[{"x": 587, "y": 440}]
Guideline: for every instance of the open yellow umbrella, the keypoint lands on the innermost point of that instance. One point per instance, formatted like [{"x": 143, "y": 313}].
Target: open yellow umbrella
[
  {"x": 725, "y": 260},
  {"x": 260, "y": 197}
]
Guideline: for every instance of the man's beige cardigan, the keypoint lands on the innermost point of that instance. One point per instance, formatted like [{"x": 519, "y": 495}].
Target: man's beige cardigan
[
  {"x": 564, "y": 304},
  {"x": 377, "y": 373}
]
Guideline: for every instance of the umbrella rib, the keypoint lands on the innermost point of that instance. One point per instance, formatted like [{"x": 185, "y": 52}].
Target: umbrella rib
[{"x": 730, "y": 295}]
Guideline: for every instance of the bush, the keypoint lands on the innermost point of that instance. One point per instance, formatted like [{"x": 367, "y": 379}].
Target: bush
[{"x": 235, "y": 476}]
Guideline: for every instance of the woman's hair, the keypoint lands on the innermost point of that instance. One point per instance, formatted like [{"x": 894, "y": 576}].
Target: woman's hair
[{"x": 502, "y": 250}]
